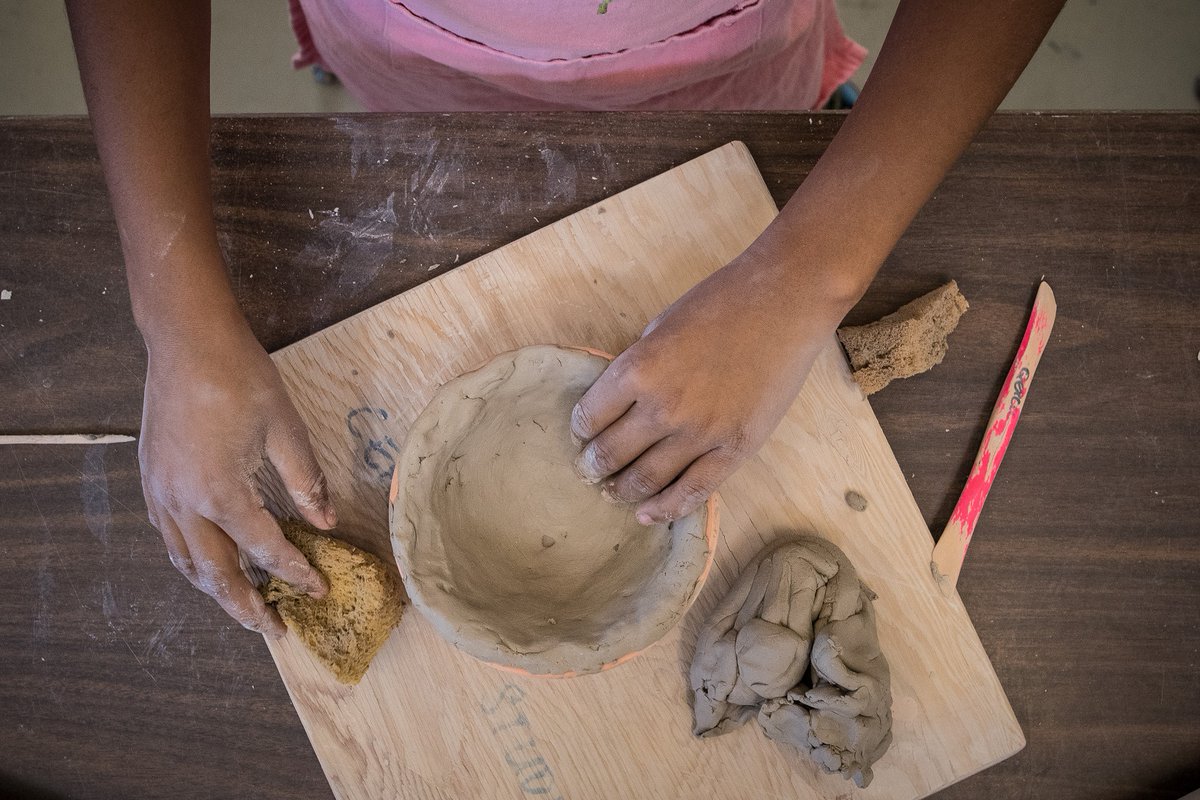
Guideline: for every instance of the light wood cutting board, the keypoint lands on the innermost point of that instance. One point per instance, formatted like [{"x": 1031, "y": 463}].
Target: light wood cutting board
[{"x": 428, "y": 721}]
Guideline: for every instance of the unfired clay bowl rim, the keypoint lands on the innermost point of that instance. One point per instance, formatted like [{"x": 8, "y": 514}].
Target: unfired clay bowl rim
[{"x": 712, "y": 511}]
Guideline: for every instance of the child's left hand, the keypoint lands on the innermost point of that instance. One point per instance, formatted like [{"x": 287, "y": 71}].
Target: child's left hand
[{"x": 675, "y": 414}]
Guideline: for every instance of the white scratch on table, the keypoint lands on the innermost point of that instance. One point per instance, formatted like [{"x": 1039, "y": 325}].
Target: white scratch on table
[
  {"x": 108, "y": 605},
  {"x": 356, "y": 246},
  {"x": 157, "y": 646},
  {"x": 560, "y": 175},
  {"x": 93, "y": 492}
]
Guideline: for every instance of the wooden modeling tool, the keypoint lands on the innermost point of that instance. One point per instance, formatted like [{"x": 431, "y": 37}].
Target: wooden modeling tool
[
  {"x": 65, "y": 438},
  {"x": 951, "y": 548}
]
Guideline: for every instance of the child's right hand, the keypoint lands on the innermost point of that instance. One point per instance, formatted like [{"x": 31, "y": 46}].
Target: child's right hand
[{"x": 215, "y": 408}]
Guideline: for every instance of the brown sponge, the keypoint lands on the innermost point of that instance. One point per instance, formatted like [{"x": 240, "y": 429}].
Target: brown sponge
[
  {"x": 347, "y": 627},
  {"x": 906, "y": 342}
]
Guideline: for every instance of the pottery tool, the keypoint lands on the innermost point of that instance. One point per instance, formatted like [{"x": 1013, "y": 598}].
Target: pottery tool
[
  {"x": 951, "y": 548},
  {"x": 65, "y": 438},
  {"x": 429, "y": 721}
]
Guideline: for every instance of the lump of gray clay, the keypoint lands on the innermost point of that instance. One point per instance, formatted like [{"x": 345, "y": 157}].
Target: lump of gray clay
[{"x": 794, "y": 643}]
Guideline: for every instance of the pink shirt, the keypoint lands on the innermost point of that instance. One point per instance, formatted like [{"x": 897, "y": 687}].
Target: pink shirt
[{"x": 530, "y": 55}]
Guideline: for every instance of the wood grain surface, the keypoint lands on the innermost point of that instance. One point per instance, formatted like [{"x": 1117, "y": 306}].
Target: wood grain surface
[
  {"x": 121, "y": 681},
  {"x": 596, "y": 279}
]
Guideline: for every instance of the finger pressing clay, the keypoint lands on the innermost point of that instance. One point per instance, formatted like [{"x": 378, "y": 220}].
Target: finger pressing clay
[
  {"x": 907, "y": 342},
  {"x": 794, "y": 643},
  {"x": 512, "y": 557},
  {"x": 345, "y": 628}
]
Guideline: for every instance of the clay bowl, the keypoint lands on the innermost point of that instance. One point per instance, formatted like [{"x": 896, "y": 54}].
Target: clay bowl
[{"x": 507, "y": 552}]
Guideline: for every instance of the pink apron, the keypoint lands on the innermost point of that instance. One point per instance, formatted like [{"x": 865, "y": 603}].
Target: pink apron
[{"x": 532, "y": 55}]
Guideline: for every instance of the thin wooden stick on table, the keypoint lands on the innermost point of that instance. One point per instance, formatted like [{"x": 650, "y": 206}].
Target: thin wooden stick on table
[{"x": 65, "y": 438}]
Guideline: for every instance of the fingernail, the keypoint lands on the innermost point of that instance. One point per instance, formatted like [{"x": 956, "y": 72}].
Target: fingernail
[
  {"x": 275, "y": 628},
  {"x": 645, "y": 518},
  {"x": 319, "y": 589},
  {"x": 263, "y": 628},
  {"x": 575, "y": 427},
  {"x": 606, "y": 494},
  {"x": 585, "y": 467},
  {"x": 330, "y": 516}
]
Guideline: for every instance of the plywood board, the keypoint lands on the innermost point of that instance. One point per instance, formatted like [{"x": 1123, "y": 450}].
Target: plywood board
[{"x": 428, "y": 721}]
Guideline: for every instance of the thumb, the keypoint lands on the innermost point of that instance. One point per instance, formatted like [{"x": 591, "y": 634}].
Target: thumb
[{"x": 288, "y": 448}]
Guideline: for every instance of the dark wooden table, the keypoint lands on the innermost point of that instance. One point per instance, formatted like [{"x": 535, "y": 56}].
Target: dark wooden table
[{"x": 118, "y": 680}]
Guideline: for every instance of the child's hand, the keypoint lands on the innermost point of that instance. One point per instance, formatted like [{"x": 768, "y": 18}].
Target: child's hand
[
  {"x": 674, "y": 415},
  {"x": 215, "y": 408}
]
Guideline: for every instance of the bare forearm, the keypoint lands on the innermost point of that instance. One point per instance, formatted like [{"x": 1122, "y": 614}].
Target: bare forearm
[
  {"x": 942, "y": 71},
  {"x": 215, "y": 407},
  {"x": 144, "y": 65}
]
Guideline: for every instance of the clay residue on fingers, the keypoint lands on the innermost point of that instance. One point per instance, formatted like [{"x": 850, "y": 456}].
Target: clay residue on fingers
[{"x": 794, "y": 644}]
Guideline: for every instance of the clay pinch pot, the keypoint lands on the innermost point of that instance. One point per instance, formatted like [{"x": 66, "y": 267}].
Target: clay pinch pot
[{"x": 509, "y": 554}]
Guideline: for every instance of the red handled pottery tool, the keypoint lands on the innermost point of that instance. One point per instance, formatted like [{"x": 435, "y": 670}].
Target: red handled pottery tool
[{"x": 951, "y": 548}]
